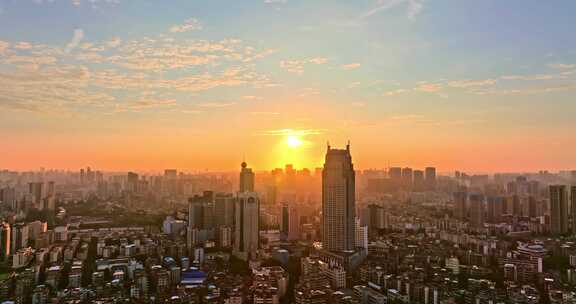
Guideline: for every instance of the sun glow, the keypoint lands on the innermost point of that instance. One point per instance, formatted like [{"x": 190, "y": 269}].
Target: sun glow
[{"x": 293, "y": 141}]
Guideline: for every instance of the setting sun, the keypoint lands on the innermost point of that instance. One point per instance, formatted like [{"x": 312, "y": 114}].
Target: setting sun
[{"x": 293, "y": 141}]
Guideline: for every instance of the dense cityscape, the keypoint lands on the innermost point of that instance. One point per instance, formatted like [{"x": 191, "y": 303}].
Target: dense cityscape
[
  {"x": 287, "y": 152},
  {"x": 328, "y": 235}
]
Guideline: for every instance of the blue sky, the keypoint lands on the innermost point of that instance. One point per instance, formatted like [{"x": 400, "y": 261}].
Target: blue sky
[{"x": 394, "y": 76}]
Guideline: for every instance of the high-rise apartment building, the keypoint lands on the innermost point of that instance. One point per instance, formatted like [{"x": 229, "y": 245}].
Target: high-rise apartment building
[
  {"x": 418, "y": 180},
  {"x": 461, "y": 205},
  {"x": 558, "y": 209},
  {"x": 338, "y": 201},
  {"x": 476, "y": 210},
  {"x": 246, "y": 227},
  {"x": 35, "y": 189},
  {"x": 224, "y": 209},
  {"x": 290, "y": 222},
  {"x": 573, "y": 207},
  {"x": 5, "y": 245},
  {"x": 430, "y": 177},
  {"x": 407, "y": 177}
]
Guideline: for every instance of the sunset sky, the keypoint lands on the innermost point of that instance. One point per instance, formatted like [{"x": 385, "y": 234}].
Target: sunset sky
[{"x": 479, "y": 86}]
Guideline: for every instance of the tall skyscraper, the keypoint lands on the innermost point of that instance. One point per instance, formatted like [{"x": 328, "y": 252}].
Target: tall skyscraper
[
  {"x": 5, "y": 245},
  {"x": 246, "y": 178},
  {"x": 246, "y": 228},
  {"x": 558, "y": 209},
  {"x": 338, "y": 201}
]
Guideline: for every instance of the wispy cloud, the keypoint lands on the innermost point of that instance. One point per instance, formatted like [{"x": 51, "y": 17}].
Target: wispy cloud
[
  {"x": 471, "y": 83},
  {"x": 297, "y": 66},
  {"x": 251, "y": 97},
  {"x": 188, "y": 25},
  {"x": 413, "y": 7},
  {"x": 146, "y": 102},
  {"x": 562, "y": 66},
  {"x": 91, "y": 2},
  {"x": 428, "y": 87},
  {"x": 264, "y": 113},
  {"x": 395, "y": 92},
  {"x": 216, "y": 104},
  {"x": 350, "y": 66},
  {"x": 76, "y": 39},
  {"x": 529, "y": 77}
]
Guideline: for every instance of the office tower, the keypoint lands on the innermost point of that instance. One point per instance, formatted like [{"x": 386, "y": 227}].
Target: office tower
[
  {"x": 338, "y": 201},
  {"x": 224, "y": 209},
  {"x": 5, "y": 245},
  {"x": 430, "y": 177},
  {"x": 407, "y": 177},
  {"x": 246, "y": 178},
  {"x": 290, "y": 222},
  {"x": 558, "y": 209},
  {"x": 246, "y": 228},
  {"x": 35, "y": 190},
  {"x": 476, "y": 210},
  {"x": 418, "y": 181},
  {"x": 460, "y": 205}
]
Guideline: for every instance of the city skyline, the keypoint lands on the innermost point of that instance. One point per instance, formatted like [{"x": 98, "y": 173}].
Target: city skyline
[{"x": 114, "y": 85}]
